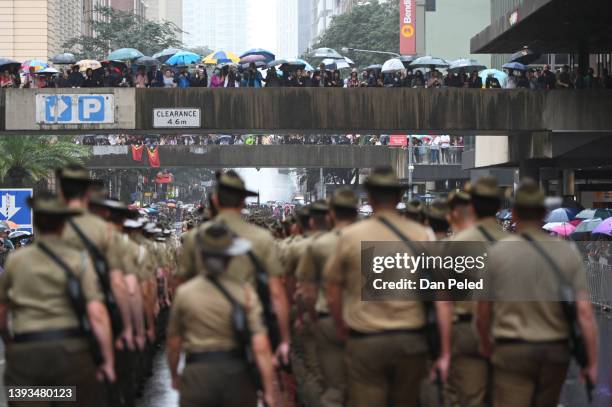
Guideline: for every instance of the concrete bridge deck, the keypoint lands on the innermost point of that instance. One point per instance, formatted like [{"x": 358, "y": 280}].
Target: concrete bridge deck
[{"x": 305, "y": 111}]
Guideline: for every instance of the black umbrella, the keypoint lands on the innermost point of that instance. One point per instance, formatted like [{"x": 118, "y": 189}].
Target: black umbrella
[
  {"x": 147, "y": 61},
  {"x": 277, "y": 62},
  {"x": 525, "y": 56},
  {"x": 9, "y": 63},
  {"x": 64, "y": 59}
]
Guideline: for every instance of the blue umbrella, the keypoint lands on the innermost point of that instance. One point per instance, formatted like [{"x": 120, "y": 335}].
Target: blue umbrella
[
  {"x": 561, "y": 215},
  {"x": 268, "y": 56},
  {"x": 123, "y": 54},
  {"x": 183, "y": 58},
  {"x": 502, "y": 77},
  {"x": 517, "y": 66}
]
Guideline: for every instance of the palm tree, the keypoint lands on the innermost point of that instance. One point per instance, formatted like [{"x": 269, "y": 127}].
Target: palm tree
[{"x": 26, "y": 160}]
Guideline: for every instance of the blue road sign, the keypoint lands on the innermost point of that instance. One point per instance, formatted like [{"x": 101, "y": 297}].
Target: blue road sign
[
  {"x": 15, "y": 207},
  {"x": 75, "y": 109},
  {"x": 58, "y": 108}
]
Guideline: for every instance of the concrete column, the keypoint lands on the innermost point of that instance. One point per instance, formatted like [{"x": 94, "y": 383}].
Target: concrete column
[{"x": 569, "y": 183}]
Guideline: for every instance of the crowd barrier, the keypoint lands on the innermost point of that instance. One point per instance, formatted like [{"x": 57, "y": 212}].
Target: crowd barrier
[{"x": 599, "y": 283}]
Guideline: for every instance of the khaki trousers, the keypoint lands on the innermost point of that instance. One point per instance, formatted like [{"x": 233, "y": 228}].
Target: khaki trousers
[
  {"x": 219, "y": 384},
  {"x": 386, "y": 369},
  {"x": 55, "y": 363},
  {"x": 330, "y": 354},
  {"x": 529, "y": 374},
  {"x": 469, "y": 371}
]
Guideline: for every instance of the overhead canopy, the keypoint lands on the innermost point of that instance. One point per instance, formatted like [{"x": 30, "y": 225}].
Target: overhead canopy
[{"x": 549, "y": 26}]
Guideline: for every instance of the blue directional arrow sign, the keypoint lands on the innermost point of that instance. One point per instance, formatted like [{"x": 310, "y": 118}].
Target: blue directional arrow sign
[
  {"x": 14, "y": 207},
  {"x": 58, "y": 109}
]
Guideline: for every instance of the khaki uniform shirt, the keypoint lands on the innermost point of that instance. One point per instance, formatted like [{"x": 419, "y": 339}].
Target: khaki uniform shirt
[
  {"x": 145, "y": 257},
  {"x": 532, "y": 320},
  {"x": 34, "y": 286},
  {"x": 296, "y": 250},
  {"x": 240, "y": 267},
  {"x": 312, "y": 262},
  {"x": 100, "y": 233},
  {"x": 474, "y": 234},
  {"x": 201, "y": 315},
  {"x": 344, "y": 268}
]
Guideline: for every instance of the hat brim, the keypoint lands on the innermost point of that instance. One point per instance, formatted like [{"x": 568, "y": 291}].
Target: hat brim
[
  {"x": 385, "y": 186},
  {"x": 65, "y": 213},
  {"x": 243, "y": 191}
]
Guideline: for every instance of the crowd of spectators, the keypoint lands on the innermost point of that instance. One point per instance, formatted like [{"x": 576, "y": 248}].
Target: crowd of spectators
[
  {"x": 120, "y": 75},
  {"x": 442, "y": 149}
]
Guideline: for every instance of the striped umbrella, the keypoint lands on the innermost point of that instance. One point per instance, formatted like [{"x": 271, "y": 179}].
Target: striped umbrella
[{"x": 221, "y": 57}]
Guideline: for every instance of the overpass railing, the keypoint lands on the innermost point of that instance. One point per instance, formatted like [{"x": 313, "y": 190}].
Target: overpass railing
[{"x": 599, "y": 283}]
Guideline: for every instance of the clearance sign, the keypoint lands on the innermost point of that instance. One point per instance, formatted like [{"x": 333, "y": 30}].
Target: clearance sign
[{"x": 407, "y": 27}]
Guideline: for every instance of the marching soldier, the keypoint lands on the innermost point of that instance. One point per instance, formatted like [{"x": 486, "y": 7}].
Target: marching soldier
[
  {"x": 329, "y": 348},
  {"x": 202, "y": 323},
  {"x": 304, "y": 359},
  {"x": 90, "y": 233},
  {"x": 261, "y": 261},
  {"x": 414, "y": 211},
  {"x": 460, "y": 215},
  {"x": 387, "y": 351},
  {"x": 469, "y": 376},
  {"x": 528, "y": 338},
  {"x": 49, "y": 343}
]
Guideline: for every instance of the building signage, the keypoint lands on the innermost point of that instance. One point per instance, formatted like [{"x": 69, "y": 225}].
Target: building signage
[
  {"x": 176, "y": 118},
  {"x": 75, "y": 109},
  {"x": 408, "y": 27}
]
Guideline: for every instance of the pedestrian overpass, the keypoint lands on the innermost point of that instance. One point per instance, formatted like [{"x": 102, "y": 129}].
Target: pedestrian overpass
[
  {"x": 276, "y": 156},
  {"x": 303, "y": 111}
]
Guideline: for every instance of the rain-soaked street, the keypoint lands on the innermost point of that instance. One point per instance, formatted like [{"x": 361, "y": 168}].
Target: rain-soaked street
[{"x": 159, "y": 393}]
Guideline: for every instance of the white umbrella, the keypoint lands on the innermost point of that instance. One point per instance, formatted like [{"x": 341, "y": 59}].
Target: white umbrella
[
  {"x": 335, "y": 63},
  {"x": 468, "y": 64},
  {"x": 427, "y": 61},
  {"x": 18, "y": 233},
  {"x": 326, "y": 53},
  {"x": 392, "y": 65}
]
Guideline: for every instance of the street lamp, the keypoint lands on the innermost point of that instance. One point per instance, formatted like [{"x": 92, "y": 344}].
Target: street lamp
[{"x": 369, "y": 51}]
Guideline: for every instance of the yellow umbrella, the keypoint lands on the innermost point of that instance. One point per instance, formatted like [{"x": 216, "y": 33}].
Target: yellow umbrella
[
  {"x": 221, "y": 57},
  {"x": 85, "y": 64}
]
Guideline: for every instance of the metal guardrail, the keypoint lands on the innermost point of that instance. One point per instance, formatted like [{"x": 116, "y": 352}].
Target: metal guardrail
[{"x": 599, "y": 284}]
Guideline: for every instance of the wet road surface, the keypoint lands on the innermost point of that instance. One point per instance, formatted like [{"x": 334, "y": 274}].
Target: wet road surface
[{"x": 158, "y": 390}]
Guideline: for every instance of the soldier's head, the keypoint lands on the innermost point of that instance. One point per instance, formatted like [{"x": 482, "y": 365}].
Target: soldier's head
[
  {"x": 414, "y": 211},
  {"x": 50, "y": 213},
  {"x": 486, "y": 197},
  {"x": 384, "y": 189},
  {"x": 230, "y": 191},
  {"x": 319, "y": 212},
  {"x": 528, "y": 203},
  {"x": 461, "y": 212},
  {"x": 134, "y": 226},
  {"x": 111, "y": 209},
  {"x": 435, "y": 216},
  {"x": 303, "y": 219},
  {"x": 343, "y": 206},
  {"x": 217, "y": 245},
  {"x": 75, "y": 183}
]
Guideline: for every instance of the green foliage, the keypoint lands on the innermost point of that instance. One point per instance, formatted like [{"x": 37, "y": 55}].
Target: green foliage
[
  {"x": 372, "y": 26},
  {"x": 28, "y": 159},
  {"x": 120, "y": 29}
]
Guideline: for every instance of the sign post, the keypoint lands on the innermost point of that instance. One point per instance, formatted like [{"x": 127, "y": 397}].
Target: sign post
[{"x": 14, "y": 207}]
